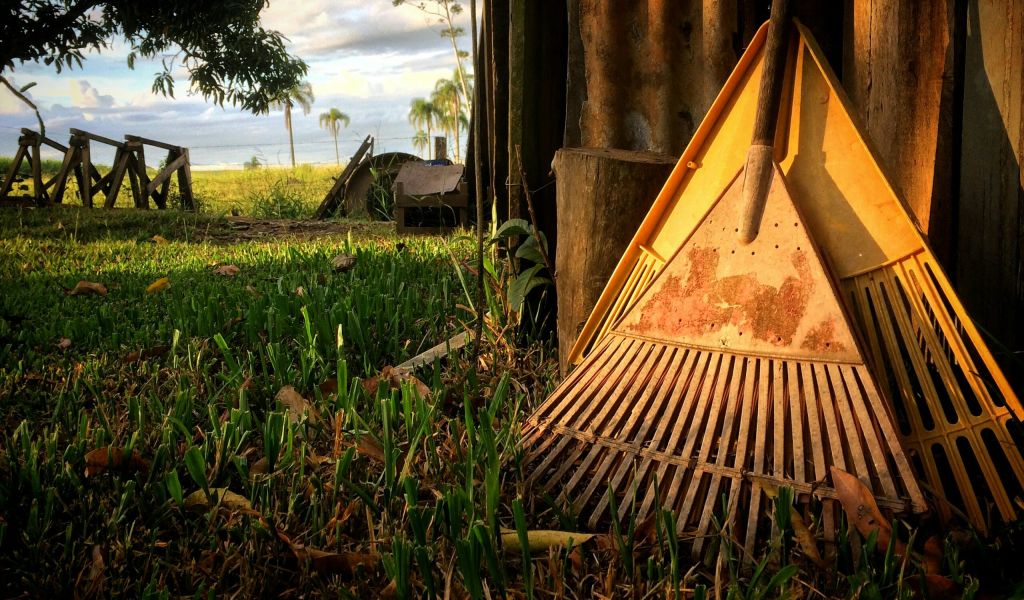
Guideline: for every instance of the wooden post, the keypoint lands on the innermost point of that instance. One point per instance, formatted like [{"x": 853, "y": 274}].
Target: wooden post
[
  {"x": 85, "y": 180},
  {"x": 440, "y": 147},
  {"x": 185, "y": 183},
  {"x": 898, "y": 69},
  {"x": 602, "y": 197}
]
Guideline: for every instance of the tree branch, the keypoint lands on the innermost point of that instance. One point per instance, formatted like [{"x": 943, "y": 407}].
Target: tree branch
[{"x": 25, "y": 99}]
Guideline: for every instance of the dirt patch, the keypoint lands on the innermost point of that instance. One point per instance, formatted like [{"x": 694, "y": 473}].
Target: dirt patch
[{"x": 242, "y": 229}]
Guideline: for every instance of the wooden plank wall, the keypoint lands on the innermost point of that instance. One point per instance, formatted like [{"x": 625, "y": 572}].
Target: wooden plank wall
[{"x": 990, "y": 228}]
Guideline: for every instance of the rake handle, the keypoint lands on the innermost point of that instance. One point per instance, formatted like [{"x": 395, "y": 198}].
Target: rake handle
[{"x": 757, "y": 176}]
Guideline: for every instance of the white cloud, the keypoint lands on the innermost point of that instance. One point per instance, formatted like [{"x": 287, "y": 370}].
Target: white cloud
[{"x": 84, "y": 95}]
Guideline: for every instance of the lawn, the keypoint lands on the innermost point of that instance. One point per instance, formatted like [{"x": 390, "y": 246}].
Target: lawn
[
  {"x": 222, "y": 421},
  {"x": 270, "y": 193}
]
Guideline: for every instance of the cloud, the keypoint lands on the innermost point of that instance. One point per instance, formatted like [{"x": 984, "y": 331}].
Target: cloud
[{"x": 84, "y": 95}]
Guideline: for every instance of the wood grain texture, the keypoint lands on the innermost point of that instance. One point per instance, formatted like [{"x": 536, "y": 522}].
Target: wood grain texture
[
  {"x": 898, "y": 71},
  {"x": 990, "y": 271},
  {"x": 603, "y": 196}
]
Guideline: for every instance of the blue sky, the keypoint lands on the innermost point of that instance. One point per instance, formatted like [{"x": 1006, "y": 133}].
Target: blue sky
[{"x": 366, "y": 57}]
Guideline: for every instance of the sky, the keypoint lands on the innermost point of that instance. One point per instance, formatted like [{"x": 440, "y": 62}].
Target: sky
[{"x": 366, "y": 58}]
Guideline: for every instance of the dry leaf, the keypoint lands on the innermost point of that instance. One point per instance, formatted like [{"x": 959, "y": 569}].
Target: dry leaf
[
  {"x": 862, "y": 510},
  {"x": 300, "y": 292},
  {"x": 226, "y": 270},
  {"x": 145, "y": 354},
  {"x": 542, "y": 539},
  {"x": 159, "y": 285},
  {"x": 395, "y": 377},
  {"x": 98, "y": 565},
  {"x": 101, "y": 460},
  {"x": 370, "y": 448},
  {"x": 805, "y": 538},
  {"x": 88, "y": 287},
  {"x": 222, "y": 496},
  {"x": 260, "y": 467},
  {"x": 296, "y": 405},
  {"x": 158, "y": 239},
  {"x": 64, "y": 343},
  {"x": 329, "y": 387},
  {"x": 931, "y": 560},
  {"x": 327, "y": 563},
  {"x": 343, "y": 262}
]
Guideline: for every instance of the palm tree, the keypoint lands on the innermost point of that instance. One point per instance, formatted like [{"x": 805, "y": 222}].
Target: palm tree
[
  {"x": 423, "y": 114},
  {"x": 301, "y": 95},
  {"x": 448, "y": 98},
  {"x": 421, "y": 141},
  {"x": 332, "y": 121}
]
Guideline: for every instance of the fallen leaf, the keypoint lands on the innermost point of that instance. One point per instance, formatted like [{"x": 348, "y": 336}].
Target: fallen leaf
[
  {"x": 300, "y": 292},
  {"x": 296, "y": 405},
  {"x": 542, "y": 539},
  {"x": 395, "y": 377},
  {"x": 370, "y": 448},
  {"x": 329, "y": 387},
  {"x": 64, "y": 343},
  {"x": 343, "y": 262},
  {"x": 145, "y": 354},
  {"x": 226, "y": 270},
  {"x": 862, "y": 510},
  {"x": 931, "y": 560},
  {"x": 805, "y": 538},
  {"x": 101, "y": 460},
  {"x": 160, "y": 284},
  {"x": 941, "y": 588},
  {"x": 222, "y": 496},
  {"x": 158, "y": 239},
  {"x": 328, "y": 563},
  {"x": 260, "y": 467},
  {"x": 88, "y": 287},
  {"x": 98, "y": 565}
]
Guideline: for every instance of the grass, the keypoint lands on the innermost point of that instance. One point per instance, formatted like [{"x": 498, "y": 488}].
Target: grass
[
  {"x": 239, "y": 436},
  {"x": 263, "y": 193}
]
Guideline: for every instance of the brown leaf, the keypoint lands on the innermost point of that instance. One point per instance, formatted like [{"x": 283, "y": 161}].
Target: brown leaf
[
  {"x": 64, "y": 343},
  {"x": 300, "y": 292},
  {"x": 222, "y": 496},
  {"x": 88, "y": 287},
  {"x": 370, "y": 448},
  {"x": 343, "y": 262},
  {"x": 145, "y": 354},
  {"x": 260, "y": 467},
  {"x": 861, "y": 508},
  {"x": 296, "y": 405},
  {"x": 395, "y": 377},
  {"x": 159, "y": 239},
  {"x": 805, "y": 538},
  {"x": 328, "y": 563},
  {"x": 98, "y": 565},
  {"x": 226, "y": 270},
  {"x": 101, "y": 460},
  {"x": 931, "y": 560},
  {"x": 941, "y": 588},
  {"x": 159, "y": 285},
  {"x": 329, "y": 387}
]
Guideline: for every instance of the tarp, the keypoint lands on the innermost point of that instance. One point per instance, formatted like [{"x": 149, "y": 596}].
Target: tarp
[{"x": 418, "y": 179}]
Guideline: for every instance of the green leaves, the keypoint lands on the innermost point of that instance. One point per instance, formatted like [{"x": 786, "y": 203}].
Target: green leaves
[{"x": 523, "y": 284}]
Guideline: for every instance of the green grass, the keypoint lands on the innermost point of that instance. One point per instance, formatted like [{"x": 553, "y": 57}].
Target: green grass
[
  {"x": 263, "y": 193},
  {"x": 353, "y": 490}
]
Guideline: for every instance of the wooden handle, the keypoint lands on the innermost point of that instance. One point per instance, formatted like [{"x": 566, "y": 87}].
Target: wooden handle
[{"x": 757, "y": 177}]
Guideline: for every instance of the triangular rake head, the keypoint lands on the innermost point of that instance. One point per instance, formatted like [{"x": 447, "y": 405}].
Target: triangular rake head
[
  {"x": 956, "y": 414},
  {"x": 737, "y": 369}
]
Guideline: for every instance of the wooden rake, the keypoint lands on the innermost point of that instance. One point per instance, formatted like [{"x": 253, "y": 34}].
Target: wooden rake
[{"x": 731, "y": 368}]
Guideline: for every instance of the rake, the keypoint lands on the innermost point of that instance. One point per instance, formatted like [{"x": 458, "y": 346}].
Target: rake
[{"x": 715, "y": 366}]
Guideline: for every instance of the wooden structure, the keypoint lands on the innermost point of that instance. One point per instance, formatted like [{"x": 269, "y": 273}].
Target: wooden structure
[
  {"x": 336, "y": 195},
  {"x": 602, "y": 195},
  {"x": 29, "y": 146},
  {"x": 129, "y": 161},
  {"x": 426, "y": 195}
]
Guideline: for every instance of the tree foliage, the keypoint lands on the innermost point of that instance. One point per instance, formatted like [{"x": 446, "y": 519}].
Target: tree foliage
[{"x": 229, "y": 57}]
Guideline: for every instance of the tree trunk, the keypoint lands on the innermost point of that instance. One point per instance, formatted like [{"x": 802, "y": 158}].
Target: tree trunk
[{"x": 603, "y": 195}]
